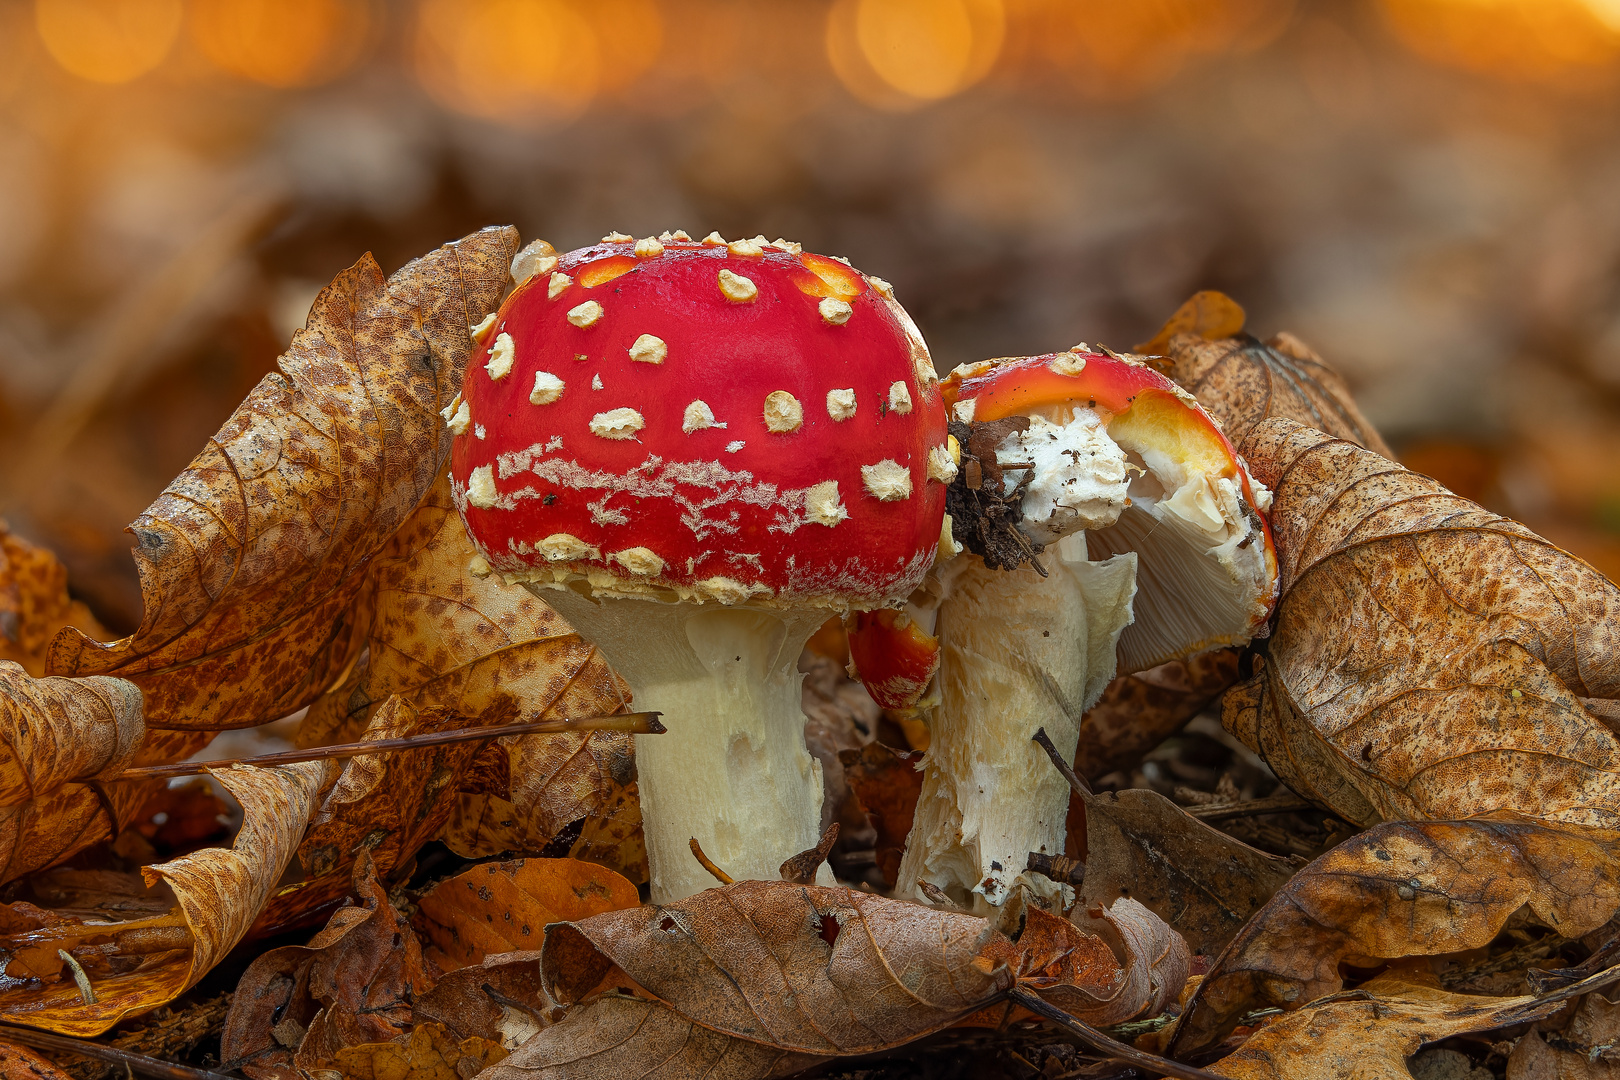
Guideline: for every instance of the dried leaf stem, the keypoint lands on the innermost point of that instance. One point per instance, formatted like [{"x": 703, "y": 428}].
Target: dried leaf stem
[
  {"x": 1080, "y": 787},
  {"x": 139, "y": 1064},
  {"x": 639, "y": 723},
  {"x": 708, "y": 864},
  {"x": 1113, "y": 1048}
]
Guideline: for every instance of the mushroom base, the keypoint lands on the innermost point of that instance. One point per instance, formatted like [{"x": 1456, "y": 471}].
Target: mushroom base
[
  {"x": 1018, "y": 653},
  {"x": 733, "y": 770}
]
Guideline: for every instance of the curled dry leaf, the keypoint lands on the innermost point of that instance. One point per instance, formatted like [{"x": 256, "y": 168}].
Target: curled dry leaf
[
  {"x": 1430, "y": 659},
  {"x": 218, "y": 892},
  {"x": 886, "y": 783},
  {"x": 503, "y": 907},
  {"x": 295, "y": 1007},
  {"x": 498, "y": 999},
  {"x": 253, "y": 560},
  {"x": 1585, "y": 1046},
  {"x": 34, "y": 603},
  {"x": 1402, "y": 889},
  {"x": 758, "y": 978},
  {"x": 1139, "y": 711},
  {"x": 56, "y": 737},
  {"x": 447, "y": 642},
  {"x": 1242, "y": 380},
  {"x": 429, "y": 1052},
  {"x": 1196, "y": 878},
  {"x": 1369, "y": 1034}
]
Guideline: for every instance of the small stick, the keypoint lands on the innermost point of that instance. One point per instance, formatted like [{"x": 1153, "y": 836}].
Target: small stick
[
  {"x": 1118, "y": 1051},
  {"x": 135, "y": 1063},
  {"x": 1059, "y": 868},
  {"x": 87, "y": 993},
  {"x": 703, "y": 860},
  {"x": 1271, "y": 804},
  {"x": 1077, "y": 785},
  {"x": 639, "y": 723}
]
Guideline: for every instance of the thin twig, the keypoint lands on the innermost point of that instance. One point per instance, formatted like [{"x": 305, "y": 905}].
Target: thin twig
[
  {"x": 87, "y": 993},
  {"x": 1079, "y": 786},
  {"x": 708, "y": 864},
  {"x": 1271, "y": 804},
  {"x": 135, "y": 1063},
  {"x": 640, "y": 723},
  {"x": 1113, "y": 1048}
]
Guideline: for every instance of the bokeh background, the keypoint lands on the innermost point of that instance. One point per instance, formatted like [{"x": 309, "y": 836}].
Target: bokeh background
[{"x": 1427, "y": 191}]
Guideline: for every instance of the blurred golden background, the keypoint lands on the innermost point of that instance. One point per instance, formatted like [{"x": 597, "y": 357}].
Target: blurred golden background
[{"x": 1427, "y": 191}]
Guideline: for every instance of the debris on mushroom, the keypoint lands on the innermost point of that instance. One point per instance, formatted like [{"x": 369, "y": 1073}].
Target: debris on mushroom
[
  {"x": 1111, "y": 528},
  {"x": 741, "y": 472}
]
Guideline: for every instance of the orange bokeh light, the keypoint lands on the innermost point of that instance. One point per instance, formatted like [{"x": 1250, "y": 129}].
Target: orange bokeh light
[
  {"x": 281, "y": 43},
  {"x": 903, "y": 53},
  {"x": 107, "y": 41},
  {"x": 1539, "y": 40}
]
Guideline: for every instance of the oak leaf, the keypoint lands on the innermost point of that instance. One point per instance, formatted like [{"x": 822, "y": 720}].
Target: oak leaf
[
  {"x": 34, "y": 603},
  {"x": 429, "y": 1052},
  {"x": 504, "y": 907},
  {"x": 759, "y": 978},
  {"x": 1242, "y": 380},
  {"x": 217, "y": 891},
  {"x": 1397, "y": 890},
  {"x": 1430, "y": 659},
  {"x": 253, "y": 561},
  {"x": 1369, "y": 1034}
]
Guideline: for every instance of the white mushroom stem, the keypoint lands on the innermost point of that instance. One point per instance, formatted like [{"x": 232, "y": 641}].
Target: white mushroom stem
[
  {"x": 733, "y": 770},
  {"x": 1018, "y": 653}
]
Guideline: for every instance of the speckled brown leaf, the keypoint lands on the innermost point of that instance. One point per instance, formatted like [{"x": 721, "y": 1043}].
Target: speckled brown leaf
[
  {"x": 1403, "y": 889},
  {"x": 499, "y": 999},
  {"x": 448, "y": 642},
  {"x": 429, "y": 1052},
  {"x": 352, "y": 984},
  {"x": 252, "y": 561},
  {"x": 1242, "y": 380},
  {"x": 501, "y": 907},
  {"x": 1137, "y": 712},
  {"x": 1196, "y": 878},
  {"x": 1369, "y": 1034},
  {"x": 218, "y": 892},
  {"x": 780, "y": 968},
  {"x": 34, "y": 603},
  {"x": 56, "y": 736},
  {"x": 1430, "y": 659}
]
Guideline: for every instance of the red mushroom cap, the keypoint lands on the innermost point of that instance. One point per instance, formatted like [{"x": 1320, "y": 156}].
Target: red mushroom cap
[{"x": 727, "y": 422}]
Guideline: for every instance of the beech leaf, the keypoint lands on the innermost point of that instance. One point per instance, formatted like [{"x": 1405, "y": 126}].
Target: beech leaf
[
  {"x": 34, "y": 603},
  {"x": 887, "y": 784},
  {"x": 252, "y": 561},
  {"x": 1402, "y": 889},
  {"x": 1139, "y": 711}
]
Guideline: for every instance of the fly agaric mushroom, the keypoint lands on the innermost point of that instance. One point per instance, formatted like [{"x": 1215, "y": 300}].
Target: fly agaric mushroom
[
  {"x": 696, "y": 452},
  {"x": 1160, "y": 554}
]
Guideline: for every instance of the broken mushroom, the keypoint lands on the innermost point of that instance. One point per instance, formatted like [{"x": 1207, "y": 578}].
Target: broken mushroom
[
  {"x": 696, "y": 451},
  {"x": 1111, "y": 527}
]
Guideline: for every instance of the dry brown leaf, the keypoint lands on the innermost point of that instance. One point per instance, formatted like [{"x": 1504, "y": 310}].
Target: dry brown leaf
[
  {"x": 825, "y": 972},
  {"x": 1196, "y": 878},
  {"x": 56, "y": 736},
  {"x": 253, "y": 559},
  {"x": 1369, "y": 1034},
  {"x": 34, "y": 603},
  {"x": 21, "y": 1063},
  {"x": 1430, "y": 659},
  {"x": 1403, "y": 889},
  {"x": 429, "y": 1052},
  {"x": 449, "y": 643},
  {"x": 612, "y": 836},
  {"x": 1137, "y": 712},
  {"x": 218, "y": 892},
  {"x": 1585, "y": 1047},
  {"x": 887, "y": 785},
  {"x": 1242, "y": 380},
  {"x": 505, "y": 906},
  {"x": 354, "y": 983},
  {"x": 498, "y": 999}
]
